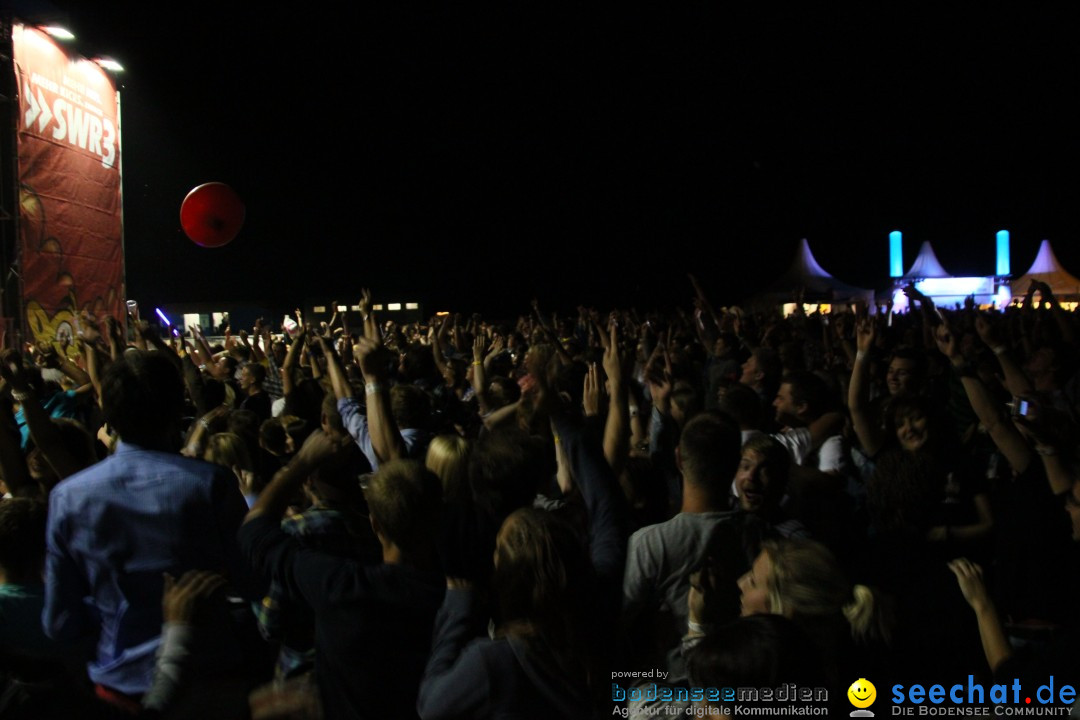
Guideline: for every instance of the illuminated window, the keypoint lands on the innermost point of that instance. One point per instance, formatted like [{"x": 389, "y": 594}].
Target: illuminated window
[
  {"x": 412, "y": 306},
  {"x": 393, "y": 306},
  {"x": 319, "y": 309}
]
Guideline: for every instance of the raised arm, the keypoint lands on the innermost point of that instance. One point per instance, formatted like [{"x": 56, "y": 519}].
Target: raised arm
[
  {"x": 1049, "y": 430},
  {"x": 12, "y": 460},
  {"x": 1065, "y": 327},
  {"x": 205, "y": 351},
  {"x": 703, "y": 302},
  {"x": 116, "y": 342},
  {"x": 552, "y": 336},
  {"x": 617, "y": 426},
  {"x": 479, "y": 375},
  {"x": 94, "y": 366},
  {"x": 319, "y": 449},
  {"x": 1003, "y": 433},
  {"x": 437, "y": 340},
  {"x": 870, "y": 434},
  {"x": 367, "y": 313},
  {"x": 155, "y": 341},
  {"x": 45, "y": 434},
  {"x": 340, "y": 384},
  {"x": 386, "y": 439},
  {"x": 1015, "y": 379},
  {"x": 996, "y": 646}
]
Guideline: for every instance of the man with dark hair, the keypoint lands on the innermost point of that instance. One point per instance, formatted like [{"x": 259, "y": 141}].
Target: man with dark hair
[
  {"x": 117, "y": 527},
  {"x": 810, "y": 423},
  {"x": 762, "y": 372},
  {"x": 252, "y": 376},
  {"x": 744, "y": 406},
  {"x": 906, "y": 375},
  {"x": 659, "y": 557}
]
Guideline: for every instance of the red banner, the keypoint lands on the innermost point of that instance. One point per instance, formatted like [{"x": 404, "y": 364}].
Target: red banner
[{"x": 70, "y": 214}]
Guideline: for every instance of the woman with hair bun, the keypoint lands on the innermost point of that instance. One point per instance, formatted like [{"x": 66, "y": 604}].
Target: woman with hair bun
[{"x": 803, "y": 581}]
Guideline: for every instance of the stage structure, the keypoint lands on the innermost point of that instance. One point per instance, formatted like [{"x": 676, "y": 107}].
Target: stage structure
[
  {"x": 63, "y": 248},
  {"x": 944, "y": 289}
]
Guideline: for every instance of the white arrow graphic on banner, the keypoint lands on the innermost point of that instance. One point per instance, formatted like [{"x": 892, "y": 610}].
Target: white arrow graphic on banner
[
  {"x": 46, "y": 116},
  {"x": 38, "y": 107},
  {"x": 34, "y": 109}
]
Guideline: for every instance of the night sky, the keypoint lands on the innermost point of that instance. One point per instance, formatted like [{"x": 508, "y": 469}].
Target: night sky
[{"x": 475, "y": 158}]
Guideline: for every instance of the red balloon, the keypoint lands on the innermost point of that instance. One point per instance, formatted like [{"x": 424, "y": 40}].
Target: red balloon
[{"x": 212, "y": 214}]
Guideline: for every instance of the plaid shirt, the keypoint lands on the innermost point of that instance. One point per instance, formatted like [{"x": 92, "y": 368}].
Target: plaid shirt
[{"x": 272, "y": 383}]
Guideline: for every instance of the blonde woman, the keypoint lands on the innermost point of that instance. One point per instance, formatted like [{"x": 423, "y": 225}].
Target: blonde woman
[
  {"x": 803, "y": 581},
  {"x": 448, "y": 457}
]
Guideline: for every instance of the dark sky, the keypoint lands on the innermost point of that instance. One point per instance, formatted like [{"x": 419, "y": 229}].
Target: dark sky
[{"x": 478, "y": 157}]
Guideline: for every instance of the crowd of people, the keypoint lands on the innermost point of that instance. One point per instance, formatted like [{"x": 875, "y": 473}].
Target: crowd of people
[{"x": 538, "y": 517}]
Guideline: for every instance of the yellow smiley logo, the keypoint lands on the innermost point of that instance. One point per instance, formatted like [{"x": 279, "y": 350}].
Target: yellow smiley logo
[{"x": 862, "y": 693}]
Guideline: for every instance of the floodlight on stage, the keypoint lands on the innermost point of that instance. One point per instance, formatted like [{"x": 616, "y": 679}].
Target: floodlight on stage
[
  {"x": 899, "y": 301},
  {"x": 109, "y": 64},
  {"x": 896, "y": 254},
  {"x": 58, "y": 32},
  {"x": 1003, "y": 297},
  {"x": 955, "y": 286}
]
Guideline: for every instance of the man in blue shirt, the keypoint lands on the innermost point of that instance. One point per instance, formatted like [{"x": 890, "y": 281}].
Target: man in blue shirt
[{"x": 117, "y": 527}]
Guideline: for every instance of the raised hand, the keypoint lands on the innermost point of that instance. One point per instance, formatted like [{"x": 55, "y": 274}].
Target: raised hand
[
  {"x": 613, "y": 363},
  {"x": 660, "y": 385},
  {"x": 371, "y": 357},
  {"x": 969, "y": 577},
  {"x": 591, "y": 394},
  {"x": 865, "y": 333},
  {"x": 946, "y": 341},
  {"x": 183, "y": 598},
  {"x": 912, "y": 292},
  {"x": 13, "y": 371}
]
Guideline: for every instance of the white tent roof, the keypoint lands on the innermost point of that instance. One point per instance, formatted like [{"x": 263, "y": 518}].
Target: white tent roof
[
  {"x": 1047, "y": 269},
  {"x": 818, "y": 285},
  {"x": 926, "y": 265}
]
